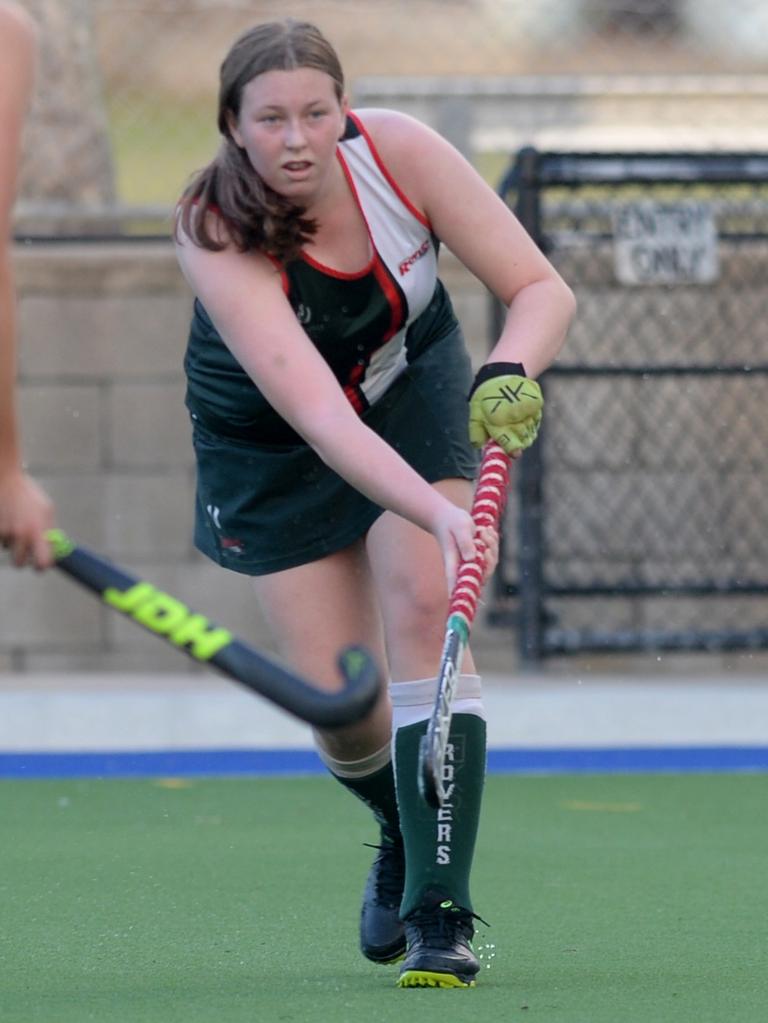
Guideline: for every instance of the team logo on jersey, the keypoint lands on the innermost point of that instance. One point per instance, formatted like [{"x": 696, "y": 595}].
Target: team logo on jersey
[
  {"x": 414, "y": 257},
  {"x": 303, "y": 314},
  {"x": 228, "y": 543}
]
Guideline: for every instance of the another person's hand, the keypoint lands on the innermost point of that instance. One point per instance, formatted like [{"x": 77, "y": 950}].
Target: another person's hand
[
  {"x": 506, "y": 406},
  {"x": 26, "y": 512}
]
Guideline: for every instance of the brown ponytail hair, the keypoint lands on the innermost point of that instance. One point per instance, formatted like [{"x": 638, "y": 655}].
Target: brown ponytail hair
[{"x": 256, "y": 217}]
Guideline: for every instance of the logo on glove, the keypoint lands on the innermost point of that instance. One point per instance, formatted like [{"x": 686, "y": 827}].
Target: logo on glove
[
  {"x": 512, "y": 394},
  {"x": 507, "y": 408}
]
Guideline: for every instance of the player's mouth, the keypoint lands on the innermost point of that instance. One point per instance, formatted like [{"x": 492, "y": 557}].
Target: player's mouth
[{"x": 297, "y": 168}]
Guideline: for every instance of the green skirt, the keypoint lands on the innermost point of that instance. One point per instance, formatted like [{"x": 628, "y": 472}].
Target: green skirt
[{"x": 266, "y": 508}]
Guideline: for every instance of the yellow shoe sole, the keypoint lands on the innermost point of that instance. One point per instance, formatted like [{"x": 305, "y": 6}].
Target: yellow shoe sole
[{"x": 425, "y": 978}]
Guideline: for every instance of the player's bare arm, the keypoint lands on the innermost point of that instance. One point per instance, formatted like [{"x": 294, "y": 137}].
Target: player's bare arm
[{"x": 483, "y": 233}]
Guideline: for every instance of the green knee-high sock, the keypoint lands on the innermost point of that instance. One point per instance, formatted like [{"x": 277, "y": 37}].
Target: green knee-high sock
[
  {"x": 440, "y": 844},
  {"x": 376, "y": 790}
]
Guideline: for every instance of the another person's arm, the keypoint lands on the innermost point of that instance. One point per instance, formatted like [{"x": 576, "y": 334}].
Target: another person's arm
[{"x": 25, "y": 511}]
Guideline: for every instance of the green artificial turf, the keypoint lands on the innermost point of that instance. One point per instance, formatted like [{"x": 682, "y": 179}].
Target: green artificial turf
[{"x": 611, "y": 899}]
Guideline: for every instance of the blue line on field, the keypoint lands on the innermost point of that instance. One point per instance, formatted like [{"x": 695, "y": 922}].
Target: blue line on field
[
  {"x": 632, "y": 760},
  {"x": 218, "y": 763},
  {"x": 162, "y": 763}
]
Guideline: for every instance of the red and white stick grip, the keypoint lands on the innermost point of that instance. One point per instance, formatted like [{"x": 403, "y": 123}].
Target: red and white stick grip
[{"x": 487, "y": 507}]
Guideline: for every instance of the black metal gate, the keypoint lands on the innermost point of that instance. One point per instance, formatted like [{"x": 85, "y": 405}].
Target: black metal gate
[{"x": 642, "y": 510}]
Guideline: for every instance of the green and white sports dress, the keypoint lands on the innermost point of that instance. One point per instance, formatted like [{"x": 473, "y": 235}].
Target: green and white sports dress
[{"x": 265, "y": 501}]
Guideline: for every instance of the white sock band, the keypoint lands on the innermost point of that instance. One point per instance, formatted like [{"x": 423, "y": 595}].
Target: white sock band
[
  {"x": 356, "y": 768},
  {"x": 413, "y": 701}
]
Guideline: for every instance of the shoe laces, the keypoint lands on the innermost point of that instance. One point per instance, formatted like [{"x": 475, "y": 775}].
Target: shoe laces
[
  {"x": 390, "y": 869},
  {"x": 439, "y": 923}
]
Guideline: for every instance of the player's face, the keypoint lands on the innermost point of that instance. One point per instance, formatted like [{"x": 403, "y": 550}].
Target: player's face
[{"x": 289, "y": 124}]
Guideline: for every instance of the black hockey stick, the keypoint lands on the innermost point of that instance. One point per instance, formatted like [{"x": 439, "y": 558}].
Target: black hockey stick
[
  {"x": 488, "y": 504},
  {"x": 201, "y": 639}
]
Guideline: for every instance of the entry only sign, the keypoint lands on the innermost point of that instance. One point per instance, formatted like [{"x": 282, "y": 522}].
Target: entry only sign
[{"x": 665, "y": 243}]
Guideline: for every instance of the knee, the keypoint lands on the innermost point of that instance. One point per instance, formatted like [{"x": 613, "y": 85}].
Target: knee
[{"x": 419, "y": 607}]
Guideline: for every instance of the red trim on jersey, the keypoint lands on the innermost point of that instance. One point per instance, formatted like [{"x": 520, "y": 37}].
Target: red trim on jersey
[
  {"x": 387, "y": 174},
  {"x": 355, "y": 396},
  {"x": 380, "y": 272},
  {"x": 392, "y": 296},
  {"x": 329, "y": 270}
]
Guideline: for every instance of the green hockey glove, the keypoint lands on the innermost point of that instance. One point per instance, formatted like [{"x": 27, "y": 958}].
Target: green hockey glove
[{"x": 505, "y": 406}]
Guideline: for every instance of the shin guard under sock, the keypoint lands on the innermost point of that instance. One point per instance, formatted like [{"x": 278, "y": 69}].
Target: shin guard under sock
[{"x": 439, "y": 844}]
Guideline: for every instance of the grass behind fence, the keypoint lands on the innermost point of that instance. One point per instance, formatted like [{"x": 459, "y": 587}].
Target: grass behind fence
[
  {"x": 157, "y": 146},
  {"x": 158, "y": 142}
]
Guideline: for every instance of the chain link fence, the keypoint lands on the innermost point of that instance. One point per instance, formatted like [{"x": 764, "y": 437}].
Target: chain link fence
[
  {"x": 642, "y": 508},
  {"x": 126, "y": 97}
]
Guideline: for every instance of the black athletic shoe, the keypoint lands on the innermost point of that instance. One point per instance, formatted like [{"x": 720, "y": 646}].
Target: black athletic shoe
[
  {"x": 439, "y": 952},
  {"x": 382, "y": 934}
]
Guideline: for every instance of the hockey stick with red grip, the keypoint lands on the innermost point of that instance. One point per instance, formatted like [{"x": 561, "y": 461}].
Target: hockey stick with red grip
[
  {"x": 487, "y": 507},
  {"x": 193, "y": 633}
]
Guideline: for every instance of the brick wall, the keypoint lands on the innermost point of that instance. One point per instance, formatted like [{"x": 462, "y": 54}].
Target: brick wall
[{"x": 103, "y": 329}]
